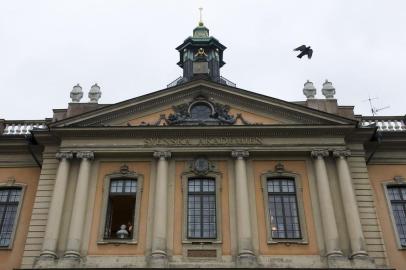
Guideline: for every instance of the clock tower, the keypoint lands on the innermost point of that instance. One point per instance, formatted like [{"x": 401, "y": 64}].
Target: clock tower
[{"x": 201, "y": 55}]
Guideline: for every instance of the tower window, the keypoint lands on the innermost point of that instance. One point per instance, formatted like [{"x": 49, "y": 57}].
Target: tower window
[
  {"x": 201, "y": 205},
  {"x": 282, "y": 206},
  {"x": 121, "y": 209},
  {"x": 200, "y": 111},
  {"x": 9, "y": 200}
]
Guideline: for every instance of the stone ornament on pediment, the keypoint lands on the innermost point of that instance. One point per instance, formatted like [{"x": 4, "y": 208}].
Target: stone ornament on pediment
[
  {"x": 124, "y": 169},
  {"x": 201, "y": 166},
  {"x": 11, "y": 181},
  {"x": 399, "y": 179},
  {"x": 216, "y": 113}
]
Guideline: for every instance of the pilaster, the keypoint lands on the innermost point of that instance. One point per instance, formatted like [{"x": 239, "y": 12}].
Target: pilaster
[
  {"x": 350, "y": 205},
  {"x": 79, "y": 208},
  {"x": 246, "y": 256},
  {"x": 330, "y": 231},
  {"x": 159, "y": 257},
  {"x": 48, "y": 253}
]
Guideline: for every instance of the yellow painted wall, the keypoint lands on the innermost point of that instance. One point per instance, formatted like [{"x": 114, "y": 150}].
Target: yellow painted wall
[
  {"x": 225, "y": 209},
  {"x": 11, "y": 258},
  {"x": 248, "y": 116},
  {"x": 253, "y": 118},
  {"x": 141, "y": 167},
  {"x": 311, "y": 248},
  {"x": 149, "y": 119},
  {"x": 379, "y": 174}
]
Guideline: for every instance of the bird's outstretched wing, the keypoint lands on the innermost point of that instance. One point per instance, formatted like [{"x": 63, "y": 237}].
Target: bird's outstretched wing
[
  {"x": 310, "y": 53},
  {"x": 300, "y": 48}
]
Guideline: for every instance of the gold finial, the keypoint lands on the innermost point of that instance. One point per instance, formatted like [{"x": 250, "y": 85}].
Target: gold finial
[{"x": 201, "y": 20}]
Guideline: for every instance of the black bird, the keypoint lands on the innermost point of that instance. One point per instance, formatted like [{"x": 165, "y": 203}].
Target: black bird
[{"x": 304, "y": 50}]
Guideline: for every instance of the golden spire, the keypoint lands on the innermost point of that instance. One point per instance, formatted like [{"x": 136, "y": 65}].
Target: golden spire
[{"x": 201, "y": 20}]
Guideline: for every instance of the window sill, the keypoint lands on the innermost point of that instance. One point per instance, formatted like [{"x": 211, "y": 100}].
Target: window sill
[
  {"x": 117, "y": 242},
  {"x": 6, "y": 248},
  {"x": 202, "y": 242},
  {"x": 288, "y": 242}
]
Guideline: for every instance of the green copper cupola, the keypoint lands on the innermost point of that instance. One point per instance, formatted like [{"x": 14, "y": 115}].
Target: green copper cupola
[{"x": 201, "y": 56}]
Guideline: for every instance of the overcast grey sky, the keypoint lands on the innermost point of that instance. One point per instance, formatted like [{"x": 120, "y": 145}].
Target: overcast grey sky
[{"x": 128, "y": 48}]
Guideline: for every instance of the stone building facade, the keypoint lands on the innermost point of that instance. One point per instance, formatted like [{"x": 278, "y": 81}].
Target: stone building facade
[{"x": 203, "y": 174}]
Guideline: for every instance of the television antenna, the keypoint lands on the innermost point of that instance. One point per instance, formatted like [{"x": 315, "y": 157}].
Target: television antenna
[{"x": 374, "y": 110}]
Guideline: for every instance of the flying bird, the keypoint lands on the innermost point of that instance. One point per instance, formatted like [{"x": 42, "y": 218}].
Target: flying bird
[{"x": 304, "y": 50}]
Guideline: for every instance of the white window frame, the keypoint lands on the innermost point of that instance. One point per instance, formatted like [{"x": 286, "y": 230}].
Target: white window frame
[
  {"x": 300, "y": 207},
  {"x": 12, "y": 184},
  {"x": 127, "y": 175}
]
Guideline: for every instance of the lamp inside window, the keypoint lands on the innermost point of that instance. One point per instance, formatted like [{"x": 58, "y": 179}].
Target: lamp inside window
[{"x": 121, "y": 209}]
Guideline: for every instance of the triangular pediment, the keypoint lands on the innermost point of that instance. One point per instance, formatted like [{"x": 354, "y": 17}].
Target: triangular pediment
[{"x": 177, "y": 106}]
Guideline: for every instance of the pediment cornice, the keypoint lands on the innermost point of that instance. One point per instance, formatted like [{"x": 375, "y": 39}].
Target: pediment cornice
[
  {"x": 281, "y": 131},
  {"x": 171, "y": 96}
]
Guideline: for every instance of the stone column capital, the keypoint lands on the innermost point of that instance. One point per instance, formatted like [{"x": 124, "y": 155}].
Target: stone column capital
[
  {"x": 64, "y": 155},
  {"x": 319, "y": 153},
  {"x": 240, "y": 154},
  {"x": 162, "y": 154},
  {"x": 85, "y": 155},
  {"x": 341, "y": 153}
]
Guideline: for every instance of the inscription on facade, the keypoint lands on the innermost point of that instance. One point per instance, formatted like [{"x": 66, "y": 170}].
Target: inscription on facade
[
  {"x": 205, "y": 141},
  {"x": 201, "y": 253}
]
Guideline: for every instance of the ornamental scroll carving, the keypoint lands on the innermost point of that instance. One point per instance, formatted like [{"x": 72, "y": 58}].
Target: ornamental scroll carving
[{"x": 217, "y": 114}]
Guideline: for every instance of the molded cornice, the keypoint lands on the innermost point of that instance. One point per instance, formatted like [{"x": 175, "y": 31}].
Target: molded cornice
[{"x": 227, "y": 94}]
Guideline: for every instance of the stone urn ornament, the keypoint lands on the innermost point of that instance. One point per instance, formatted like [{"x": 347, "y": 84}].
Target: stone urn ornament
[
  {"x": 76, "y": 94},
  {"x": 309, "y": 90},
  {"x": 94, "y": 93},
  {"x": 328, "y": 90}
]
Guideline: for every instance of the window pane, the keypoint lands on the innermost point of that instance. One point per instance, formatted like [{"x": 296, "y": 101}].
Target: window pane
[
  {"x": 398, "y": 201},
  {"x": 282, "y": 205},
  {"x": 123, "y": 186},
  {"x": 201, "y": 208},
  {"x": 9, "y": 200}
]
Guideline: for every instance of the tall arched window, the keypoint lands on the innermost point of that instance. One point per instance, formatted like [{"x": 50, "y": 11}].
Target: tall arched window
[
  {"x": 201, "y": 206},
  {"x": 283, "y": 209},
  {"x": 9, "y": 200}
]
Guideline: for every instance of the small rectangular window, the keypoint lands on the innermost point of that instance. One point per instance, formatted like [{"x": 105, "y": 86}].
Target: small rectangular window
[
  {"x": 283, "y": 210},
  {"x": 121, "y": 209},
  {"x": 201, "y": 205},
  {"x": 9, "y": 200},
  {"x": 397, "y": 197}
]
